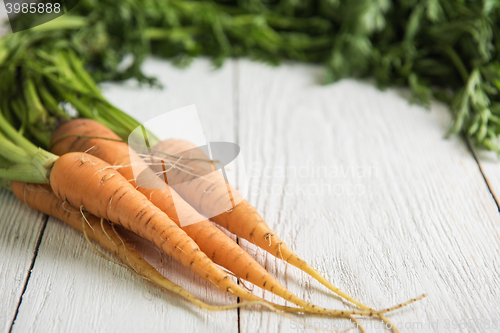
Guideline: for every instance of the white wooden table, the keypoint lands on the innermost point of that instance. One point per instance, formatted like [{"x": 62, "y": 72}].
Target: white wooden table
[{"x": 360, "y": 183}]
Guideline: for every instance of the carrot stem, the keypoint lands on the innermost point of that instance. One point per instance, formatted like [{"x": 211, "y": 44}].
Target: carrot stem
[
  {"x": 62, "y": 22},
  {"x": 51, "y": 102},
  {"x": 33, "y": 163},
  {"x": 12, "y": 152},
  {"x": 36, "y": 110},
  {"x": 23, "y": 172},
  {"x": 16, "y": 137}
]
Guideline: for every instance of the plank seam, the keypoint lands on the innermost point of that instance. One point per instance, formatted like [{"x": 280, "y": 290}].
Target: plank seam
[
  {"x": 488, "y": 185},
  {"x": 25, "y": 286},
  {"x": 236, "y": 115}
]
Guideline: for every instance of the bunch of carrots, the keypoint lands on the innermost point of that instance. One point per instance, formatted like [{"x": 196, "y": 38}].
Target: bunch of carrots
[{"x": 83, "y": 175}]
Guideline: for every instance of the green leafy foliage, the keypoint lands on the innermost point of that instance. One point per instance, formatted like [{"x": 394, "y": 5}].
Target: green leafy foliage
[{"x": 444, "y": 49}]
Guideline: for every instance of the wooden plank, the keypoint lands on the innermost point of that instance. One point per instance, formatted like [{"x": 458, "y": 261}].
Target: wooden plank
[
  {"x": 21, "y": 229},
  {"x": 73, "y": 289},
  {"x": 385, "y": 207}
]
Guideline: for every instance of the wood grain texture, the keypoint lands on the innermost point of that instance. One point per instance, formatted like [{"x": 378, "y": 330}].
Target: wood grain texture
[
  {"x": 399, "y": 211},
  {"x": 73, "y": 289},
  {"x": 20, "y": 229}
]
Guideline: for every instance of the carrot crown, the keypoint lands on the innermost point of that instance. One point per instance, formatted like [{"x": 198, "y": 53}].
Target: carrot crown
[{"x": 20, "y": 159}]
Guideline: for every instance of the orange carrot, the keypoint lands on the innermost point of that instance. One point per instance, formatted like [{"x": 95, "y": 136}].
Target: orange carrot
[
  {"x": 41, "y": 198},
  {"x": 84, "y": 181},
  {"x": 88, "y": 135}
]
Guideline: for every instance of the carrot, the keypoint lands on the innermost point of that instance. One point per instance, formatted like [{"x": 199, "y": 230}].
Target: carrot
[
  {"x": 88, "y": 135},
  {"x": 84, "y": 181},
  {"x": 41, "y": 198},
  {"x": 209, "y": 193}
]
